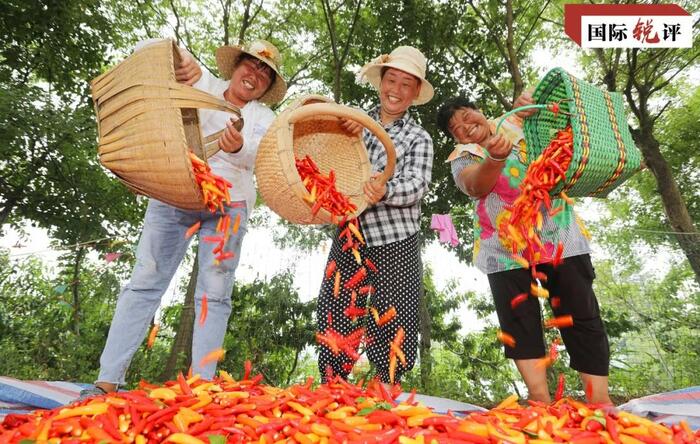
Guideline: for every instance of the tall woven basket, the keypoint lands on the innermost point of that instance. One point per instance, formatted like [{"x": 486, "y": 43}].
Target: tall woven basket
[
  {"x": 311, "y": 125},
  {"x": 147, "y": 123},
  {"x": 604, "y": 153}
]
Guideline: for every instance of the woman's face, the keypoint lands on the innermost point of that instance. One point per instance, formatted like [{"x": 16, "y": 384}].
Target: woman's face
[
  {"x": 250, "y": 79},
  {"x": 397, "y": 91},
  {"x": 469, "y": 126}
]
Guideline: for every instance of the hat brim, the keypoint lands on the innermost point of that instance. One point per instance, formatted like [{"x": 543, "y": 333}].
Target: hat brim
[
  {"x": 226, "y": 59},
  {"x": 373, "y": 75}
]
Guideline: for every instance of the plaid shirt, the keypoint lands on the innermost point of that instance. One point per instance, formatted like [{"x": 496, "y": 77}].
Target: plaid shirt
[{"x": 397, "y": 215}]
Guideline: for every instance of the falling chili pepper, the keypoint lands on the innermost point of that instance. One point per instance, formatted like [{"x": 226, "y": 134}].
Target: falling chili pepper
[
  {"x": 519, "y": 299},
  {"x": 330, "y": 268},
  {"x": 336, "y": 285},
  {"x": 193, "y": 229},
  {"x": 203, "y": 310},
  {"x": 557, "y": 257},
  {"x": 236, "y": 224},
  {"x": 387, "y": 317},
  {"x": 152, "y": 335},
  {"x": 213, "y": 356},
  {"x": 358, "y": 277},
  {"x": 505, "y": 338},
  {"x": 560, "y": 322},
  {"x": 371, "y": 265},
  {"x": 560, "y": 387},
  {"x": 555, "y": 302}
]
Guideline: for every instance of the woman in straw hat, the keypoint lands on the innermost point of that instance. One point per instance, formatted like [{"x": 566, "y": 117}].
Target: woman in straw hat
[
  {"x": 253, "y": 81},
  {"x": 389, "y": 226}
]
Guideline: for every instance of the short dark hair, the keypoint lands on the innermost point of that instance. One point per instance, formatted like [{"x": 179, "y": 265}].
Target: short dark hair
[
  {"x": 271, "y": 71},
  {"x": 448, "y": 109}
]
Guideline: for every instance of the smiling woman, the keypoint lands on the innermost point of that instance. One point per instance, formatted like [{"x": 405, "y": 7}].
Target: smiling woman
[{"x": 389, "y": 226}]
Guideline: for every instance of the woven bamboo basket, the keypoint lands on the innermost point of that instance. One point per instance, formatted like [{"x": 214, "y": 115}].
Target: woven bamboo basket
[
  {"x": 311, "y": 125},
  {"x": 604, "y": 153},
  {"x": 147, "y": 123}
]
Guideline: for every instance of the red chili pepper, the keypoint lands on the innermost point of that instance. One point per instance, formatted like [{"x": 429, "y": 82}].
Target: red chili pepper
[
  {"x": 560, "y": 322},
  {"x": 330, "y": 268},
  {"x": 358, "y": 277},
  {"x": 560, "y": 387},
  {"x": 371, "y": 265},
  {"x": 557, "y": 257},
  {"x": 519, "y": 299}
]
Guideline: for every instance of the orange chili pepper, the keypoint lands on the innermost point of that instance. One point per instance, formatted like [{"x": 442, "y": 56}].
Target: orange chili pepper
[
  {"x": 203, "y": 310},
  {"x": 560, "y": 322},
  {"x": 193, "y": 229},
  {"x": 336, "y": 285},
  {"x": 213, "y": 356},
  {"x": 387, "y": 316},
  {"x": 152, "y": 335},
  {"x": 236, "y": 224},
  {"x": 505, "y": 338}
]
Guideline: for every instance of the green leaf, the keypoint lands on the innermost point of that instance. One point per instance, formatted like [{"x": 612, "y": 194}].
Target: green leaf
[
  {"x": 378, "y": 406},
  {"x": 216, "y": 439}
]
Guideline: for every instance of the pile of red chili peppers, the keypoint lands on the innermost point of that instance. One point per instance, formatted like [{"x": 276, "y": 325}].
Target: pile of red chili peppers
[
  {"x": 195, "y": 411},
  {"x": 215, "y": 192},
  {"x": 324, "y": 194}
]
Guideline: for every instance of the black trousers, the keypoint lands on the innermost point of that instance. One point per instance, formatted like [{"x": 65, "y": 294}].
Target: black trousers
[
  {"x": 572, "y": 282},
  {"x": 396, "y": 284}
]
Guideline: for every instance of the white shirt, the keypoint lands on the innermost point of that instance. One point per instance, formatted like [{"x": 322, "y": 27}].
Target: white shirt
[{"x": 237, "y": 167}]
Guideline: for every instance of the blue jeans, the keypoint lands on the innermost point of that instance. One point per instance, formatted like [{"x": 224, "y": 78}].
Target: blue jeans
[{"x": 159, "y": 253}]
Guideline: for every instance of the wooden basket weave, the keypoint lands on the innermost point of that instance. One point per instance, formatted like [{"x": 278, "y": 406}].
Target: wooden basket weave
[
  {"x": 604, "y": 153},
  {"x": 147, "y": 123},
  {"x": 311, "y": 125}
]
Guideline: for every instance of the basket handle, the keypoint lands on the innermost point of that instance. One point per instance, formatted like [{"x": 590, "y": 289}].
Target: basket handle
[
  {"x": 202, "y": 100},
  {"x": 333, "y": 109}
]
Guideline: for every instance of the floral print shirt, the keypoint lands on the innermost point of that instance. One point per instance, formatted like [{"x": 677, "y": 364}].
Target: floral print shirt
[{"x": 492, "y": 250}]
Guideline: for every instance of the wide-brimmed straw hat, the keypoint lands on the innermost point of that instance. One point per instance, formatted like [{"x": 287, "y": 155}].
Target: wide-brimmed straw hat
[
  {"x": 227, "y": 57},
  {"x": 404, "y": 58}
]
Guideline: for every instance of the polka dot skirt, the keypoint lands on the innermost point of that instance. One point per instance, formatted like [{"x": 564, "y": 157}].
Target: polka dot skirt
[{"x": 396, "y": 284}]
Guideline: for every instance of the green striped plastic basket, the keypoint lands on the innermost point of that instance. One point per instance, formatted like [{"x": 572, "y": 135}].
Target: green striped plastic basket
[{"x": 604, "y": 153}]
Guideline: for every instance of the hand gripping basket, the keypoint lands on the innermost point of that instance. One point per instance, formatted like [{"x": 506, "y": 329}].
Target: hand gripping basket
[
  {"x": 147, "y": 123},
  {"x": 604, "y": 153},
  {"x": 311, "y": 125}
]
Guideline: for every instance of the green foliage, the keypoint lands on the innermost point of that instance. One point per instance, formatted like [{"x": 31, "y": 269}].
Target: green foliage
[{"x": 36, "y": 337}]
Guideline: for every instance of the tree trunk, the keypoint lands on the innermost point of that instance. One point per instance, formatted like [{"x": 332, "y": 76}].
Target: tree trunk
[
  {"x": 181, "y": 353},
  {"x": 7, "y": 208},
  {"x": 674, "y": 205},
  {"x": 75, "y": 282},
  {"x": 426, "y": 362}
]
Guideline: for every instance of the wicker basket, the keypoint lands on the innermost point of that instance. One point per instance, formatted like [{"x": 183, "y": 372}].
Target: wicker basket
[
  {"x": 147, "y": 122},
  {"x": 311, "y": 125},
  {"x": 604, "y": 153}
]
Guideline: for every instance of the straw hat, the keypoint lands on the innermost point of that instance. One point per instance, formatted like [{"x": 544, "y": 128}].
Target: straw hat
[
  {"x": 227, "y": 57},
  {"x": 404, "y": 58}
]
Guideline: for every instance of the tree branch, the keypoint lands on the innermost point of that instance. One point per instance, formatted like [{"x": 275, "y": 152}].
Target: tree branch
[
  {"x": 485, "y": 80},
  {"x": 346, "y": 50},
  {"x": 532, "y": 28}
]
